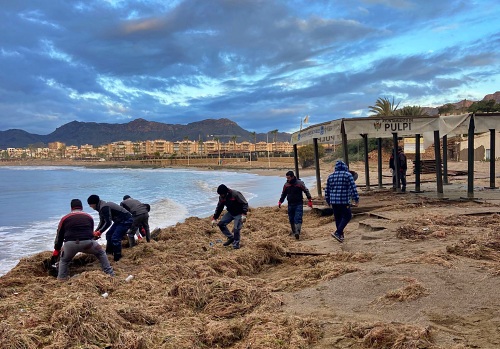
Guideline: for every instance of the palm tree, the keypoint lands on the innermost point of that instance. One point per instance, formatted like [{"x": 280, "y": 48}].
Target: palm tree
[
  {"x": 186, "y": 146},
  {"x": 275, "y": 133},
  {"x": 254, "y": 135},
  {"x": 200, "y": 147},
  {"x": 383, "y": 107},
  {"x": 218, "y": 147},
  {"x": 233, "y": 139},
  {"x": 413, "y": 110}
]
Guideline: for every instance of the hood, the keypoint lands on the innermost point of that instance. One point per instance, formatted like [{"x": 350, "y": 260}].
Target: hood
[{"x": 341, "y": 166}]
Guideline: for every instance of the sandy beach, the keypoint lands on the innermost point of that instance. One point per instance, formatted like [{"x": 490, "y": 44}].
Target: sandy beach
[{"x": 415, "y": 271}]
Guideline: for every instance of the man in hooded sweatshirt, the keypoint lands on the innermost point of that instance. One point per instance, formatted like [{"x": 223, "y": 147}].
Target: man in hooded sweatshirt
[
  {"x": 114, "y": 217},
  {"x": 341, "y": 193},
  {"x": 293, "y": 190}
]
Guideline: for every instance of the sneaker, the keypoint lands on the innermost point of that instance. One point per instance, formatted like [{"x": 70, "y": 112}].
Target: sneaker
[
  {"x": 228, "y": 242},
  {"x": 337, "y": 237},
  {"x": 297, "y": 236},
  {"x": 236, "y": 247}
]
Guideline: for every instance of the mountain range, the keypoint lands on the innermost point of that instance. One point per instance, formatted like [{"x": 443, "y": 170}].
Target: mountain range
[{"x": 78, "y": 133}]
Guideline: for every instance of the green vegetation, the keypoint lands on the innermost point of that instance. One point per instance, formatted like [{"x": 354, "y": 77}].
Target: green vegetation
[
  {"x": 411, "y": 110},
  {"x": 383, "y": 107},
  {"x": 484, "y": 107},
  {"x": 306, "y": 155},
  {"x": 356, "y": 150}
]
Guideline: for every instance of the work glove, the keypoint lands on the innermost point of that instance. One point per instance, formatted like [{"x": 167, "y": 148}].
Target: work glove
[
  {"x": 214, "y": 223},
  {"x": 310, "y": 203},
  {"x": 97, "y": 235},
  {"x": 143, "y": 232},
  {"x": 53, "y": 259},
  {"x": 279, "y": 204},
  {"x": 243, "y": 218}
]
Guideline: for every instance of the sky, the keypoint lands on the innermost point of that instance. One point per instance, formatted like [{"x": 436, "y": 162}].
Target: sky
[{"x": 264, "y": 64}]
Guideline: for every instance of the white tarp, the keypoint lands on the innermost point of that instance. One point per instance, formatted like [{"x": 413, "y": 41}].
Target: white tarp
[
  {"x": 328, "y": 132},
  {"x": 384, "y": 127},
  {"x": 454, "y": 124},
  {"x": 484, "y": 123}
]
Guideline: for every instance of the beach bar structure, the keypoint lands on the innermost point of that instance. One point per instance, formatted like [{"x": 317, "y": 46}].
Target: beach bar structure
[{"x": 429, "y": 128}]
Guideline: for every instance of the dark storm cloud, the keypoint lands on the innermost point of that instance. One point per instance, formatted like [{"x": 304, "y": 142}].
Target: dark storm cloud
[{"x": 260, "y": 63}]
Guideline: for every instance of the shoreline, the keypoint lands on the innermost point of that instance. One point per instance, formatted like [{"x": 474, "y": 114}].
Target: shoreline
[{"x": 276, "y": 169}]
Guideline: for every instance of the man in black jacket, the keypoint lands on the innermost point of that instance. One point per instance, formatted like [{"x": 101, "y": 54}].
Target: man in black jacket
[
  {"x": 293, "y": 190},
  {"x": 140, "y": 215},
  {"x": 237, "y": 209},
  {"x": 114, "y": 217},
  {"x": 75, "y": 230},
  {"x": 402, "y": 166}
]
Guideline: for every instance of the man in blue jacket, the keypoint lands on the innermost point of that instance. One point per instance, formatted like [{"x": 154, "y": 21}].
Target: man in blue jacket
[
  {"x": 237, "y": 209},
  {"x": 341, "y": 193},
  {"x": 114, "y": 217}
]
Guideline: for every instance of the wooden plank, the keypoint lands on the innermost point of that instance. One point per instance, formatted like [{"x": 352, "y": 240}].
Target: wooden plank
[{"x": 297, "y": 253}]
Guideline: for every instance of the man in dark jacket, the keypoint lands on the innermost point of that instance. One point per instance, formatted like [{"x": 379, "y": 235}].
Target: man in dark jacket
[
  {"x": 75, "y": 230},
  {"x": 237, "y": 209},
  {"x": 402, "y": 167},
  {"x": 293, "y": 190},
  {"x": 114, "y": 217},
  {"x": 140, "y": 215}
]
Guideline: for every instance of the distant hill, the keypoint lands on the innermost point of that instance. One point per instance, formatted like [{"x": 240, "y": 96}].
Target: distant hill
[
  {"x": 78, "y": 133},
  {"x": 495, "y": 96}
]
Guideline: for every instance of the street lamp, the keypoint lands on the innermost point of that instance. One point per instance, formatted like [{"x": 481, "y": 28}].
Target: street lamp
[
  {"x": 267, "y": 146},
  {"x": 218, "y": 145}
]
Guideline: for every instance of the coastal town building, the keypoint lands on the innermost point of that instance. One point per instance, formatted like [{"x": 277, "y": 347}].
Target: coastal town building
[{"x": 151, "y": 148}]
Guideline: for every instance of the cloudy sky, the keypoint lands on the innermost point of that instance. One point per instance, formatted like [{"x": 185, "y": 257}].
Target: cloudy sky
[{"x": 264, "y": 64}]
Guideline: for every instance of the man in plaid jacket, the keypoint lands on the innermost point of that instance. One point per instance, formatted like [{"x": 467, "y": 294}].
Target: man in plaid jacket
[{"x": 341, "y": 193}]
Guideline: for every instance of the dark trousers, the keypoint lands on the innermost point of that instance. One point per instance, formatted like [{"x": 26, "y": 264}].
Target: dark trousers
[
  {"x": 402, "y": 181},
  {"x": 140, "y": 221},
  {"x": 343, "y": 215},
  {"x": 115, "y": 234},
  {"x": 295, "y": 212}
]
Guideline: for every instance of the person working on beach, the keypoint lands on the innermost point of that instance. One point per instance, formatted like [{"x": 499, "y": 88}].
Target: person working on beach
[
  {"x": 403, "y": 166},
  {"x": 140, "y": 216},
  {"x": 341, "y": 193},
  {"x": 237, "y": 209},
  {"x": 114, "y": 217},
  {"x": 293, "y": 190},
  {"x": 76, "y": 232}
]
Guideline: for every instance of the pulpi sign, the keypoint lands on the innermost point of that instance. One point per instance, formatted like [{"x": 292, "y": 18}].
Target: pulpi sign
[{"x": 394, "y": 125}]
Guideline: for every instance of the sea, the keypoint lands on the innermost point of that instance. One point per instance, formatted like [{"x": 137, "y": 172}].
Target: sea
[{"x": 33, "y": 199}]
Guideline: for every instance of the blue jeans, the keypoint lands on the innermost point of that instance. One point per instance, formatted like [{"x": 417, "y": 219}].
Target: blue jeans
[
  {"x": 115, "y": 234},
  {"x": 238, "y": 224},
  {"x": 342, "y": 214},
  {"x": 295, "y": 212}
]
